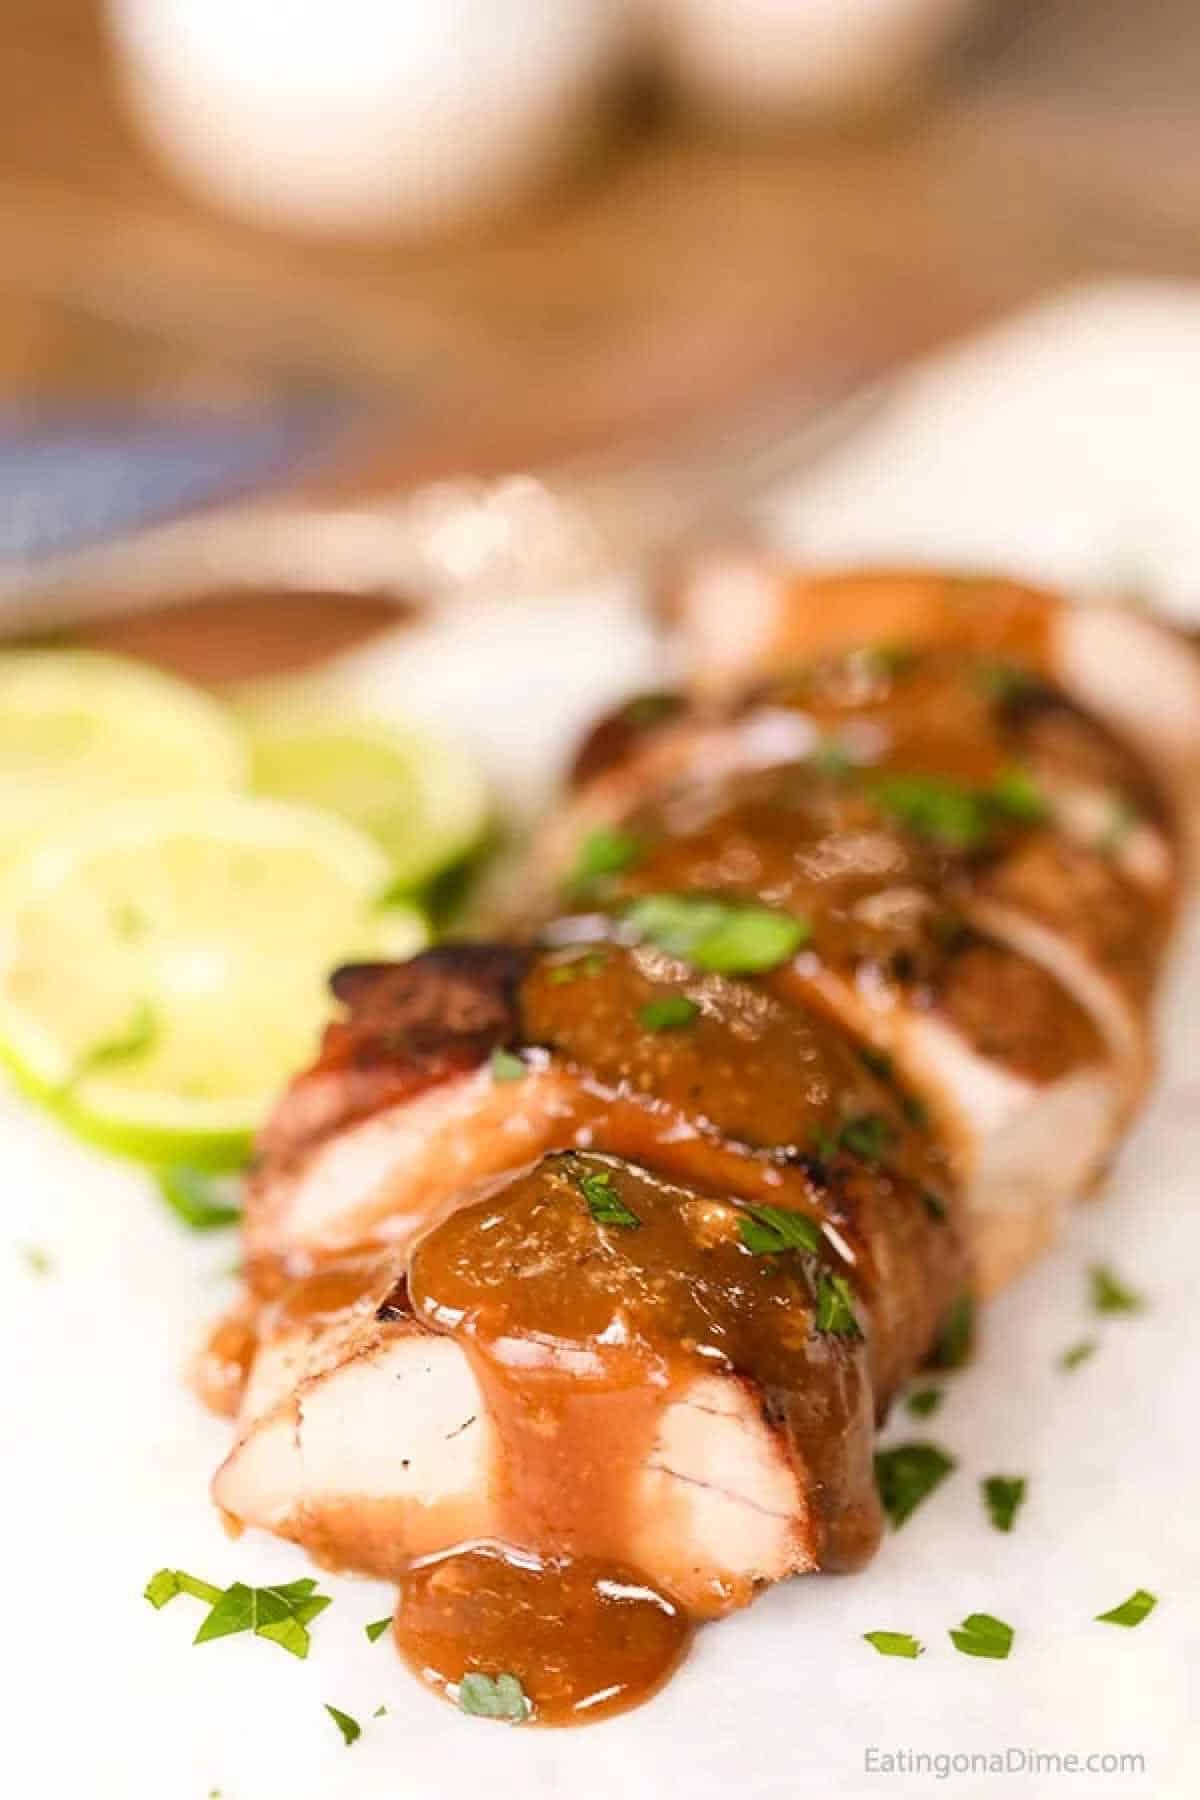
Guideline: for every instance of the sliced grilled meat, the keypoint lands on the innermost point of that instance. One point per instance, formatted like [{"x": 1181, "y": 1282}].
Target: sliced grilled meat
[
  {"x": 744, "y": 613},
  {"x": 737, "y": 1097},
  {"x": 601, "y": 1257},
  {"x": 598, "y": 1363}
]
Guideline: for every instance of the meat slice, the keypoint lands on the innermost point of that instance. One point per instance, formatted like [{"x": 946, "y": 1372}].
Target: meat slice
[
  {"x": 595, "y": 1362},
  {"x": 735, "y": 1102},
  {"x": 743, "y": 613},
  {"x": 676, "y": 1441},
  {"x": 387, "y": 1454}
]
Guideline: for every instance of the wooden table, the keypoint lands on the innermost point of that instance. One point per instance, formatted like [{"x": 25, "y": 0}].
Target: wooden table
[{"x": 685, "y": 281}]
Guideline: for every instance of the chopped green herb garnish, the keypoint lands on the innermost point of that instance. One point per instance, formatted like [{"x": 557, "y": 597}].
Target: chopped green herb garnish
[
  {"x": 674, "y": 1012},
  {"x": 282, "y": 1615},
  {"x": 1004, "y": 681},
  {"x": 934, "y": 807},
  {"x": 894, "y": 1643},
  {"x": 887, "y": 659},
  {"x": 1110, "y": 1295},
  {"x": 577, "y": 968},
  {"x": 376, "y": 1628},
  {"x": 379, "y": 1712},
  {"x": 604, "y": 1203},
  {"x": 770, "y": 1230},
  {"x": 203, "y": 1201},
  {"x": 956, "y": 1336},
  {"x": 38, "y": 1261},
  {"x": 1078, "y": 1353},
  {"x": 924, "y": 1402},
  {"x": 878, "y": 1062},
  {"x": 168, "y": 1582},
  {"x": 1015, "y": 794},
  {"x": 982, "y": 1635},
  {"x": 835, "y": 1306},
  {"x": 725, "y": 936},
  {"x": 934, "y": 1205},
  {"x": 137, "y": 1039},
  {"x": 493, "y": 1697},
  {"x": 950, "y": 813},
  {"x": 645, "y": 710},
  {"x": 1003, "y": 1495},
  {"x": 1131, "y": 1612},
  {"x": 506, "y": 1066},
  {"x": 350, "y": 1728},
  {"x": 604, "y": 852},
  {"x": 907, "y": 1475},
  {"x": 867, "y": 1136}
]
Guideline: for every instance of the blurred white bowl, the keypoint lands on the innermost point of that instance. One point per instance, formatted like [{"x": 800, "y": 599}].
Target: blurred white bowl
[
  {"x": 814, "y": 58},
  {"x": 365, "y": 115}
]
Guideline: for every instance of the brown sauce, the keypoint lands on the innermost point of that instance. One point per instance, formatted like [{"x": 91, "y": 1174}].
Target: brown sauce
[
  {"x": 583, "y": 1638},
  {"x": 220, "y": 1369},
  {"x": 883, "y": 905},
  {"x": 591, "y": 1295}
]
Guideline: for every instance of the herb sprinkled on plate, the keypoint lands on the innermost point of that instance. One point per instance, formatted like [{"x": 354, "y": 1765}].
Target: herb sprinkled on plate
[
  {"x": 906, "y": 1476},
  {"x": 1109, "y": 1294},
  {"x": 894, "y": 1643},
  {"x": 1131, "y": 1612},
  {"x": 980, "y": 1634},
  {"x": 1004, "y": 1496}
]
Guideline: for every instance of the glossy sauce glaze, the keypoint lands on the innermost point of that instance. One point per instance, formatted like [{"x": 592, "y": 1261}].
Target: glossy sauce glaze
[
  {"x": 583, "y": 1639},
  {"x": 882, "y": 904},
  {"x": 591, "y": 1297}
]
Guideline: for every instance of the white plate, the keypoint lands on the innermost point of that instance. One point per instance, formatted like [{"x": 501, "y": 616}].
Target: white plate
[{"x": 107, "y": 1457}]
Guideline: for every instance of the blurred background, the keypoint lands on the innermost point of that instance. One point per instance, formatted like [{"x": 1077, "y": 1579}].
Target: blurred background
[{"x": 311, "y": 312}]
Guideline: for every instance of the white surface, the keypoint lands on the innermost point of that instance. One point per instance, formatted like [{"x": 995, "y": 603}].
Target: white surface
[{"x": 107, "y": 1456}]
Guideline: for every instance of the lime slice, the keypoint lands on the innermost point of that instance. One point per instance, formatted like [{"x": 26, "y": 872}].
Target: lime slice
[
  {"x": 163, "y": 964},
  {"x": 79, "y": 729},
  {"x": 417, "y": 795}
]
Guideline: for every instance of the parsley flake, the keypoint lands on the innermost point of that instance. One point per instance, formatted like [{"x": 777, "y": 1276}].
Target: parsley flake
[
  {"x": 1003, "y": 1495},
  {"x": 281, "y": 1614},
  {"x": 604, "y": 1203},
  {"x": 835, "y": 1307},
  {"x": 603, "y": 852},
  {"x": 1110, "y": 1294},
  {"x": 982, "y": 1635},
  {"x": 1077, "y": 1353},
  {"x": 1131, "y": 1612},
  {"x": 770, "y": 1230},
  {"x": 350, "y": 1728},
  {"x": 894, "y": 1643},
  {"x": 868, "y": 1135},
  {"x": 673, "y": 1012},
  {"x": 376, "y": 1628},
  {"x": 200, "y": 1200},
  {"x": 956, "y": 1336},
  {"x": 507, "y": 1066},
  {"x": 907, "y": 1475},
  {"x": 726, "y": 937},
  {"x": 924, "y": 1402},
  {"x": 493, "y": 1697}
]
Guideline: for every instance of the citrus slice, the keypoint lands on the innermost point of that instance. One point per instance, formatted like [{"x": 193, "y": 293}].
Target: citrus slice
[
  {"x": 418, "y": 795},
  {"x": 163, "y": 964},
  {"x": 79, "y": 729}
]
